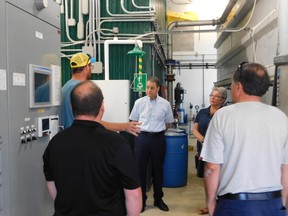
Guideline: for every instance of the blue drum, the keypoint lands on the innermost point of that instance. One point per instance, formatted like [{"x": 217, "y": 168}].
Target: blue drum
[{"x": 175, "y": 166}]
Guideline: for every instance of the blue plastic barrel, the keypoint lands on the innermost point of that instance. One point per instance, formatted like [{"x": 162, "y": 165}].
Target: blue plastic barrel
[
  {"x": 175, "y": 166},
  {"x": 175, "y": 130},
  {"x": 181, "y": 112}
]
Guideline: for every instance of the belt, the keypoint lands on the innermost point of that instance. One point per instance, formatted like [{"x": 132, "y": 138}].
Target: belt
[
  {"x": 152, "y": 133},
  {"x": 252, "y": 196}
]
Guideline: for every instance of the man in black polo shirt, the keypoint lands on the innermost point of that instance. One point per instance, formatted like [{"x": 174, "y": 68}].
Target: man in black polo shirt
[{"x": 90, "y": 170}]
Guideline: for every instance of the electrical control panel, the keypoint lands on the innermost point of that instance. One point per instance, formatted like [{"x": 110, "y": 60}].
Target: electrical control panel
[{"x": 48, "y": 126}]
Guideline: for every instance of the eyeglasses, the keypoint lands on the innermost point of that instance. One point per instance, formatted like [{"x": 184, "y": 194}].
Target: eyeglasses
[
  {"x": 240, "y": 66},
  {"x": 215, "y": 96},
  {"x": 92, "y": 66},
  {"x": 239, "y": 72}
]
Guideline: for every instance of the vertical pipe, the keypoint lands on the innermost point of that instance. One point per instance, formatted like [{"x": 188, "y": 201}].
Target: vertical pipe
[
  {"x": 170, "y": 75},
  {"x": 85, "y": 7},
  {"x": 203, "y": 83},
  {"x": 153, "y": 61},
  {"x": 98, "y": 16}
]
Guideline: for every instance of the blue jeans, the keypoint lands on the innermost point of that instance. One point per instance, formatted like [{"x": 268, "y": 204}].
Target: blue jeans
[{"x": 272, "y": 207}]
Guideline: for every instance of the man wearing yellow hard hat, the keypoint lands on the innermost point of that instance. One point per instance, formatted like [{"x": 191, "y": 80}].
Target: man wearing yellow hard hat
[{"x": 81, "y": 64}]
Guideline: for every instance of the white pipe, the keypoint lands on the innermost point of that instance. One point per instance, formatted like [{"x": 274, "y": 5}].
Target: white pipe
[
  {"x": 85, "y": 7},
  {"x": 94, "y": 32},
  {"x": 66, "y": 44},
  {"x": 62, "y": 7},
  {"x": 93, "y": 27},
  {"x": 80, "y": 24},
  {"x": 133, "y": 12},
  {"x": 127, "y": 20},
  {"x": 71, "y": 20},
  {"x": 124, "y": 20},
  {"x": 98, "y": 18},
  {"x": 106, "y": 51},
  {"x": 140, "y": 7},
  {"x": 66, "y": 23},
  {"x": 124, "y": 15},
  {"x": 90, "y": 26},
  {"x": 71, "y": 50},
  {"x": 143, "y": 35},
  {"x": 71, "y": 9},
  {"x": 86, "y": 31}
]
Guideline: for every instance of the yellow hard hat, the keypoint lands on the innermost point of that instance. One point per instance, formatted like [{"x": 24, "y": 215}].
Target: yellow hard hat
[{"x": 81, "y": 60}]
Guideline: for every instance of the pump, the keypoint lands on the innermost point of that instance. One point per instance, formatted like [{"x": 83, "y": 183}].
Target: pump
[{"x": 179, "y": 111}]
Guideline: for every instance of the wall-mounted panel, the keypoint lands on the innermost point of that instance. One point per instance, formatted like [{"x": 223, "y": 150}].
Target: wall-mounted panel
[
  {"x": 50, "y": 14},
  {"x": 27, "y": 39}
]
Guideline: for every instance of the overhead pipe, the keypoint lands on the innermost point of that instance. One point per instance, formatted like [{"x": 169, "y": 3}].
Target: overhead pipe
[
  {"x": 106, "y": 51},
  {"x": 175, "y": 24},
  {"x": 194, "y": 65},
  {"x": 125, "y": 20},
  {"x": 244, "y": 10},
  {"x": 133, "y": 12},
  {"x": 126, "y": 15},
  {"x": 140, "y": 7}
]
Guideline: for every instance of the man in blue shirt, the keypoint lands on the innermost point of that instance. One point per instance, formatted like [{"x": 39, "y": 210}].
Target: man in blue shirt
[
  {"x": 154, "y": 113},
  {"x": 81, "y": 64}
]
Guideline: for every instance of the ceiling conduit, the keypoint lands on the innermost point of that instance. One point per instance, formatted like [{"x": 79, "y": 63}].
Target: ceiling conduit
[
  {"x": 176, "y": 24},
  {"x": 141, "y": 7},
  {"x": 143, "y": 14},
  {"x": 133, "y": 12},
  {"x": 124, "y": 34}
]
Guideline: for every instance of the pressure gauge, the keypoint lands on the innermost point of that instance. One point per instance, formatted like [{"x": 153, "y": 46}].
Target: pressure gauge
[{"x": 41, "y": 4}]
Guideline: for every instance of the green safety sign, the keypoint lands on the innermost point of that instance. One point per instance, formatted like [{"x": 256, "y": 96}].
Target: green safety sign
[{"x": 140, "y": 80}]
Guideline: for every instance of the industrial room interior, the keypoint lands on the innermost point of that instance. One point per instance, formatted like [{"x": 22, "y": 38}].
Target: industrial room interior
[{"x": 195, "y": 44}]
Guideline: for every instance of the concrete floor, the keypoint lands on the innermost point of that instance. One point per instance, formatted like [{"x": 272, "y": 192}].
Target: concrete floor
[{"x": 182, "y": 201}]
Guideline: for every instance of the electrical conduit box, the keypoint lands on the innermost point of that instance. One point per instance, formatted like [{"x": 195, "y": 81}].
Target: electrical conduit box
[
  {"x": 116, "y": 99},
  {"x": 48, "y": 125}
]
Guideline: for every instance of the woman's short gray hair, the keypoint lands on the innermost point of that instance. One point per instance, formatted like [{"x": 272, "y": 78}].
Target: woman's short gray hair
[{"x": 222, "y": 91}]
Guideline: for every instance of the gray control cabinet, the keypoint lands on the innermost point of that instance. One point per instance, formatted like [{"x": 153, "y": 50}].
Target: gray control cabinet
[{"x": 27, "y": 36}]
